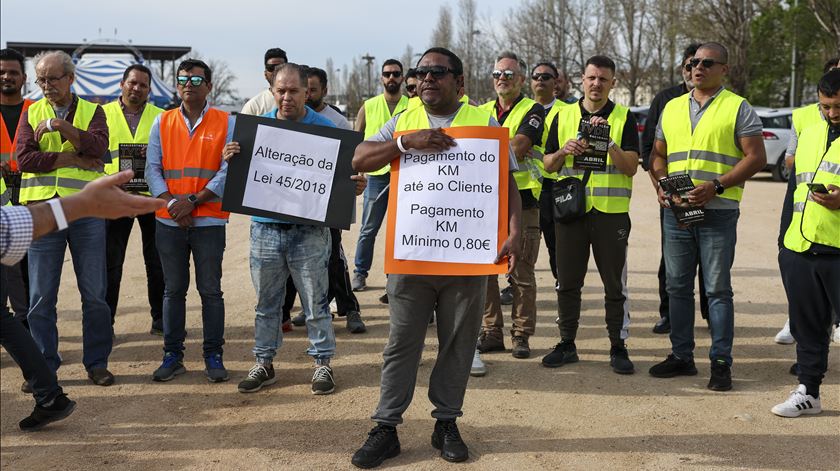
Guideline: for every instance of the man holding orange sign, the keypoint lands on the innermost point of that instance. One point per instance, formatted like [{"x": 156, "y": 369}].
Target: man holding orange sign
[{"x": 420, "y": 282}]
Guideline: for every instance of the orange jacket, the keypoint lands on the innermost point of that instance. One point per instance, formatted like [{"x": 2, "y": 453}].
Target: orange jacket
[
  {"x": 7, "y": 146},
  {"x": 189, "y": 163}
]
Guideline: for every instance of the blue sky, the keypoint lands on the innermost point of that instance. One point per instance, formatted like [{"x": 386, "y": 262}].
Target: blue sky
[{"x": 239, "y": 31}]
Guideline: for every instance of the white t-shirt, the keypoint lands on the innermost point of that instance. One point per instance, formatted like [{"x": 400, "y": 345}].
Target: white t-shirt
[{"x": 261, "y": 104}]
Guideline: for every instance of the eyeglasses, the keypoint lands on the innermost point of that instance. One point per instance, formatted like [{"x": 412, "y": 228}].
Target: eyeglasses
[
  {"x": 411, "y": 87},
  {"x": 271, "y": 67},
  {"x": 437, "y": 71},
  {"x": 194, "y": 80},
  {"x": 41, "y": 81},
  {"x": 541, "y": 77},
  {"x": 497, "y": 74},
  {"x": 395, "y": 74},
  {"x": 706, "y": 63}
]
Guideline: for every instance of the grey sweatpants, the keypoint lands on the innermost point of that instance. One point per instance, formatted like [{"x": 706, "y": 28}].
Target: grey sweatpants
[{"x": 459, "y": 305}]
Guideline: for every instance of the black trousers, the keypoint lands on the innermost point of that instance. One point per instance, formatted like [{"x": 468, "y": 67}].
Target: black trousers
[
  {"x": 547, "y": 223},
  {"x": 119, "y": 230},
  {"x": 812, "y": 284},
  {"x": 663, "y": 292},
  {"x": 339, "y": 282},
  {"x": 16, "y": 290}
]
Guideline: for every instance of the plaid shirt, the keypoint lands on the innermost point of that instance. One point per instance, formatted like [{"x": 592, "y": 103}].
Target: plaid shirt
[{"x": 15, "y": 233}]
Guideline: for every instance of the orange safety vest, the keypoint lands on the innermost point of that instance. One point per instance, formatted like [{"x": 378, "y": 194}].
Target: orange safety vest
[
  {"x": 189, "y": 163},
  {"x": 7, "y": 146}
]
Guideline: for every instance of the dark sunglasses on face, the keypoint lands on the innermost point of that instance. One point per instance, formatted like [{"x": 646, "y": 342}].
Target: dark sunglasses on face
[
  {"x": 411, "y": 87},
  {"x": 687, "y": 66},
  {"x": 395, "y": 74},
  {"x": 437, "y": 71},
  {"x": 271, "y": 67},
  {"x": 542, "y": 77},
  {"x": 706, "y": 63},
  {"x": 194, "y": 80},
  {"x": 497, "y": 74}
]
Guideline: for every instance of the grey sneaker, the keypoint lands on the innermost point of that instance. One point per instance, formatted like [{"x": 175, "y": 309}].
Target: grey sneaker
[
  {"x": 299, "y": 320},
  {"x": 215, "y": 369},
  {"x": 260, "y": 375},
  {"x": 358, "y": 282},
  {"x": 355, "y": 325},
  {"x": 171, "y": 367},
  {"x": 322, "y": 380}
]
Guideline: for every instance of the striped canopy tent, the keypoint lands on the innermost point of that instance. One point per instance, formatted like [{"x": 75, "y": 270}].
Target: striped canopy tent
[{"x": 98, "y": 79}]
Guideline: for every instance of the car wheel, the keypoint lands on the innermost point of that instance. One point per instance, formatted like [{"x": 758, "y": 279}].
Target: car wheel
[{"x": 781, "y": 172}]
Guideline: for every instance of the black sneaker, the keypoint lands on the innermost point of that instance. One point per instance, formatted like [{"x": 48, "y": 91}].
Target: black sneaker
[
  {"x": 260, "y": 375},
  {"x": 520, "y": 349},
  {"x": 673, "y": 366},
  {"x": 794, "y": 370},
  {"x": 721, "y": 379},
  {"x": 488, "y": 342},
  {"x": 662, "y": 326},
  {"x": 101, "y": 376},
  {"x": 157, "y": 328},
  {"x": 299, "y": 320},
  {"x": 564, "y": 352},
  {"x": 384, "y": 298},
  {"x": 620, "y": 360},
  {"x": 171, "y": 367},
  {"x": 60, "y": 408},
  {"x": 25, "y": 387},
  {"x": 322, "y": 381},
  {"x": 382, "y": 443},
  {"x": 506, "y": 296},
  {"x": 355, "y": 324},
  {"x": 447, "y": 439}
]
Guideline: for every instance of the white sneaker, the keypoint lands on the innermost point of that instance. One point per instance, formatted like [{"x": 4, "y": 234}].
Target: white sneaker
[
  {"x": 478, "y": 368},
  {"x": 784, "y": 337},
  {"x": 333, "y": 307},
  {"x": 835, "y": 336},
  {"x": 797, "y": 404}
]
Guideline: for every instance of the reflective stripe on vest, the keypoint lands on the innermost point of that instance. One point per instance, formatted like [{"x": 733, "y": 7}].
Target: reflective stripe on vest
[
  {"x": 806, "y": 117},
  {"x": 62, "y": 181},
  {"x": 709, "y": 151},
  {"x": 120, "y": 133},
  {"x": 7, "y": 144},
  {"x": 376, "y": 115},
  {"x": 812, "y": 222},
  {"x": 415, "y": 102},
  {"x": 416, "y": 119},
  {"x": 608, "y": 191},
  {"x": 189, "y": 162},
  {"x": 529, "y": 175},
  {"x": 549, "y": 118}
]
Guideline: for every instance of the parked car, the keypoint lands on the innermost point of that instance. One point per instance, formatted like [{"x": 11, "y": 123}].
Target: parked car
[{"x": 777, "y": 134}]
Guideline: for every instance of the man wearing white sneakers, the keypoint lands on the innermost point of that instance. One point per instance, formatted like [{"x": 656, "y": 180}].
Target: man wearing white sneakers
[{"x": 810, "y": 259}]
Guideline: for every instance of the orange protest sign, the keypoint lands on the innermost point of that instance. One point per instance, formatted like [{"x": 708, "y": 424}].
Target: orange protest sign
[{"x": 448, "y": 211}]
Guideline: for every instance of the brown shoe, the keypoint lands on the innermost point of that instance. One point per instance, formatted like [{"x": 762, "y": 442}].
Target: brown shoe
[
  {"x": 490, "y": 342},
  {"x": 520, "y": 347},
  {"x": 101, "y": 376}
]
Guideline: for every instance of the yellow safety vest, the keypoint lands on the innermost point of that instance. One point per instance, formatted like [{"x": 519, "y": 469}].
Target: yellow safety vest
[
  {"x": 549, "y": 118},
  {"x": 608, "y": 191},
  {"x": 376, "y": 115},
  {"x": 811, "y": 222},
  {"x": 5, "y": 193},
  {"x": 62, "y": 181},
  {"x": 528, "y": 178},
  {"x": 415, "y": 102},
  {"x": 119, "y": 132},
  {"x": 709, "y": 151},
  {"x": 417, "y": 119},
  {"x": 806, "y": 116}
]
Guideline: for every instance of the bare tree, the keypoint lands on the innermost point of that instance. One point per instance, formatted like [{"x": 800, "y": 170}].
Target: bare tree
[
  {"x": 827, "y": 13},
  {"x": 634, "y": 51},
  {"x": 407, "y": 58},
  {"x": 442, "y": 34}
]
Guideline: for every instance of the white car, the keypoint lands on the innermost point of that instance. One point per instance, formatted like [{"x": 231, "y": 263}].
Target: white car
[{"x": 777, "y": 134}]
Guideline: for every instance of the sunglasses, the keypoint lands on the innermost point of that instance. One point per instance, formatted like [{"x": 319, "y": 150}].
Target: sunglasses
[
  {"x": 395, "y": 74},
  {"x": 687, "y": 67},
  {"x": 542, "y": 77},
  {"x": 497, "y": 74},
  {"x": 706, "y": 63},
  {"x": 411, "y": 87},
  {"x": 271, "y": 67},
  {"x": 194, "y": 80},
  {"x": 437, "y": 71}
]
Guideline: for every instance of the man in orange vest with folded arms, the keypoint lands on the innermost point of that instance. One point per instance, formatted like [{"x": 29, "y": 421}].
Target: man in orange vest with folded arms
[
  {"x": 15, "y": 279},
  {"x": 184, "y": 166}
]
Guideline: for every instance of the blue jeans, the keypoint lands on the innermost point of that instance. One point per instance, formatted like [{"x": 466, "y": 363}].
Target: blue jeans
[
  {"x": 86, "y": 238},
  {"x": 712, "y": 242},
  {"x": 373, "y": 212},
  {"x": 281, "y": 250},
  {"x": 207, "y": 245}
]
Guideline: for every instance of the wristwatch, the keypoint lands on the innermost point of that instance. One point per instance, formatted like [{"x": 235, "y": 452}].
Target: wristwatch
[
  {"x": 719, "y": 189},
  {"x": 194, "y": 199}
]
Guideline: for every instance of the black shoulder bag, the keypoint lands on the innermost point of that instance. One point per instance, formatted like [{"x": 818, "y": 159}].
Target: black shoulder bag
[{"x": 569, "y": 196}]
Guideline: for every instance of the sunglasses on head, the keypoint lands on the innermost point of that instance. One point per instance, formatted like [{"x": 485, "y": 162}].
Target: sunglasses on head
[
  {"x": 706, "y": 63},
  {"x": 437, "y": 71},
  {"x": 508, "y": 74},
  {"x": 411, "y": 87},
  {"x": 395, "y": 74},
  {"x": 543, "y": 77},
  {"x": 195, "y": 80}
]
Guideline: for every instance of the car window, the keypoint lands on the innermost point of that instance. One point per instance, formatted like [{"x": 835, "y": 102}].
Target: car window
[{"x": 777, "y": 122}]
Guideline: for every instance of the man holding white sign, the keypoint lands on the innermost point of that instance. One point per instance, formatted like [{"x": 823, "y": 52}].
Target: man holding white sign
[
  {"x": 457, "y": 300},
  {"x": 290, "y": 173}
]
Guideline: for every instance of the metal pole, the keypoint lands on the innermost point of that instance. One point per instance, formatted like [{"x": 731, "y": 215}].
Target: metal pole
[
  {"x": 369, "y": 59},
  {"x": 793, "y": 98}
]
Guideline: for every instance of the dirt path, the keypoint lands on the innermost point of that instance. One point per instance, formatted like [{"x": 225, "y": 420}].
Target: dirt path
[{"x": 520, "y": 415}]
